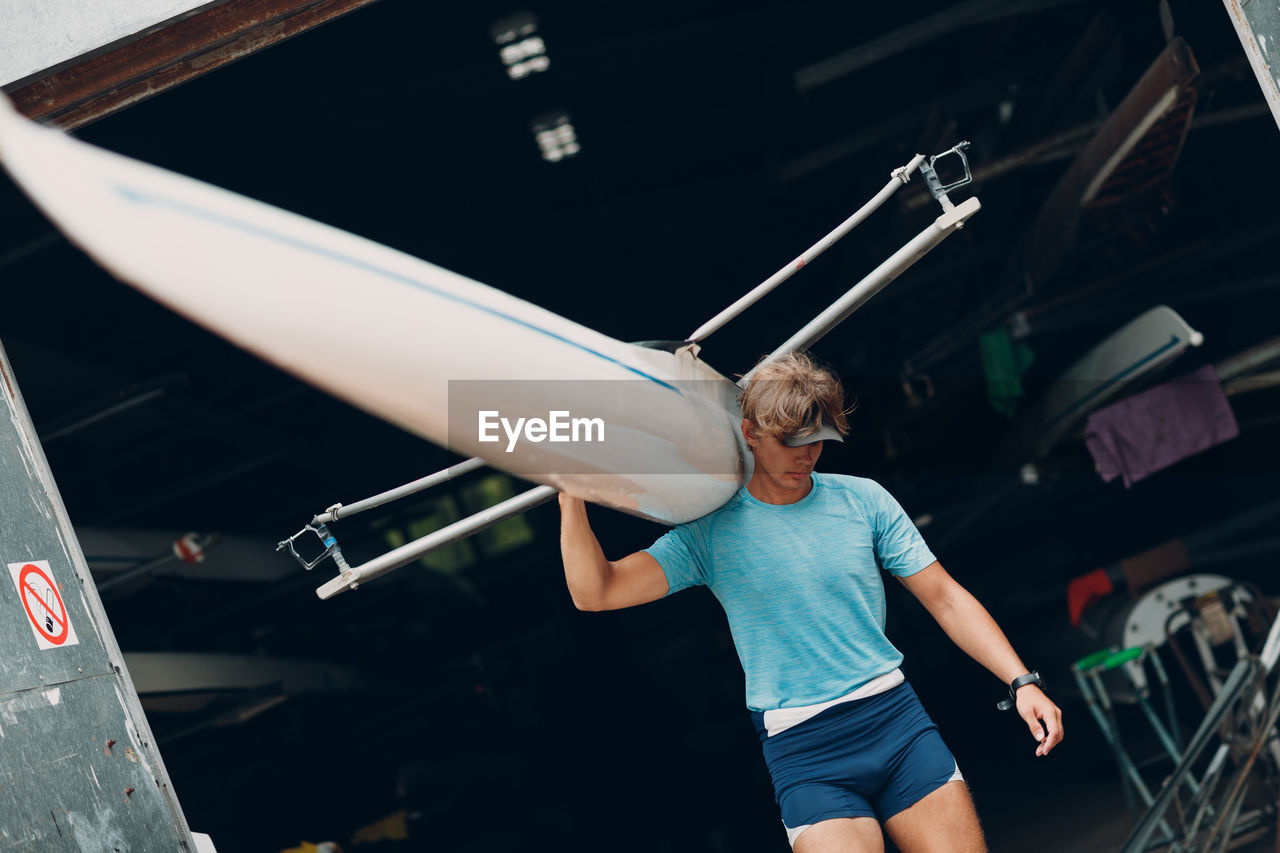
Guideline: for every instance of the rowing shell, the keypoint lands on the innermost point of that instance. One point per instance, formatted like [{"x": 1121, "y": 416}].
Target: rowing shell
[{"x": 393, "y": 334}]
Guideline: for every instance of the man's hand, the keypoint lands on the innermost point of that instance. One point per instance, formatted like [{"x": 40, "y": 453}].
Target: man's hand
[{"x": 1035, "y": 708}]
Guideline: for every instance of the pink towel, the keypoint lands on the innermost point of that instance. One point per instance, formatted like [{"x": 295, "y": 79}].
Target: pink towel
[{"x": 1150, "y": 431}]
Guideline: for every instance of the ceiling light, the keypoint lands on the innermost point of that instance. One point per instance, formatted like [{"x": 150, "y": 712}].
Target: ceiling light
[
  {"x": 555, "y": 136},
  {"x": 521, "y": 50}
]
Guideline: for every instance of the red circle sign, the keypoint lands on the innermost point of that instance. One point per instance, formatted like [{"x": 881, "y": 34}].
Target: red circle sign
[{"x": 52, "y": 622}]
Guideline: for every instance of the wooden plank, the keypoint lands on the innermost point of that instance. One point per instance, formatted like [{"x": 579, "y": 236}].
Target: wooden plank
[{"x": 109, "y": 81}]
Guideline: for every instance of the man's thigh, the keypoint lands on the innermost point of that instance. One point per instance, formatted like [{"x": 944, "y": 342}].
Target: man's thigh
[
  {"x": 944, "y": 821},
  {"x": 841, "y": 835}
]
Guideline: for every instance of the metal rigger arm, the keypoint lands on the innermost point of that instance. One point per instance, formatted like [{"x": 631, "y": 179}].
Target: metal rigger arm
[{"x": 952, "y": 219}]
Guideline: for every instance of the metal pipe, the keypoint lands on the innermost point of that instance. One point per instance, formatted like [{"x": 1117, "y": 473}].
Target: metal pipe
[
  {"x": 1201, "y": 539},
  {"x": 30, "y": 247},
  {"x": 1253, "y": 382},
  {"x": 1162, "y": 678},
  {"x": 405, "y": 554},
  {"x": 154, "y": 563},
  {"x": 1208, "y": 558},
  {"x": 338, "y": 511},
  {"x": 1111, "y": 737},
  {"x": 144, "y": 568},
  {"x": 900, "y": 177},
  {"x": 894, "y": 266},
  {"x": 918, "y": 32},
  {"x": 1235, "y": 684},
  {"x": 103, "y": 414},
  {"x": 1202, "y": 803},
  {"x": 1235, "y": 797},
  {"x": 1271, "y": 647},
  {"x": 1250, "y": 359},
  {"x": 1166, "y": 739}
]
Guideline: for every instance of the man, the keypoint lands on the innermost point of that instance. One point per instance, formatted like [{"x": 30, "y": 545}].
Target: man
[{"x": 795, "y": 558}]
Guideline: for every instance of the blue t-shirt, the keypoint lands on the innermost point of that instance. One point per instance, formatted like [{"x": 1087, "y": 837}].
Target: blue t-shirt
[{"x": 801, "y": 584}]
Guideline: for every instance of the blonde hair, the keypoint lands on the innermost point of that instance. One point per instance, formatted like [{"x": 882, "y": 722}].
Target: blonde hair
[{"x": 786, "y": 396}]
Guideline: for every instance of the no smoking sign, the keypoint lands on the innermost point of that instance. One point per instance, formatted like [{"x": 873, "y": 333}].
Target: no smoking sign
[{"x": 42, "y": 602}]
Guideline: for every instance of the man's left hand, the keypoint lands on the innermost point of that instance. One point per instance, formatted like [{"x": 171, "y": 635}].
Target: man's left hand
[{"x": 1036, "y": 709}]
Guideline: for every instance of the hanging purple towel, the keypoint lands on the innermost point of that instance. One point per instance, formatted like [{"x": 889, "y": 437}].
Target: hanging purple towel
[{"x": 1150, "y": 431}]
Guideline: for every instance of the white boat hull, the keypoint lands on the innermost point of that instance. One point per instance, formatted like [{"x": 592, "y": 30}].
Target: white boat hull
[{"x": 387, "y": 332}]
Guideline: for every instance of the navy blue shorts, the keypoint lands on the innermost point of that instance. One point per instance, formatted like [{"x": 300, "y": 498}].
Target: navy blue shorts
[{"x": 870, "y": 757}]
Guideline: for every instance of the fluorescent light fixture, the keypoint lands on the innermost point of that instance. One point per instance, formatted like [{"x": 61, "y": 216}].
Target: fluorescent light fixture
[
  {"x": 521, "y": 50},
  {"x": 555, "y": 136}
]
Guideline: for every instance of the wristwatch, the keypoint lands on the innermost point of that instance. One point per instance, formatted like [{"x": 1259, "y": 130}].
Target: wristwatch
[{"x": 1032, "y": 677}]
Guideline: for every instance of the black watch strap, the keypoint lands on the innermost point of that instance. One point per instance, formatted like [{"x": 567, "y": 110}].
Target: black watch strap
[{"x": 1032, "y": 677}]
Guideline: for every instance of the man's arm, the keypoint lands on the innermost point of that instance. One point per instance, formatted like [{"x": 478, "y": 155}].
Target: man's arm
[
  {"x": 594, "y": 582},
  {"x": 971, "y": 627}
]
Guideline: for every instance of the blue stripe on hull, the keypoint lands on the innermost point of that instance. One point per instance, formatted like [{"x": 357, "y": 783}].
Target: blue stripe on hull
[{"x": 142, "y": 197}]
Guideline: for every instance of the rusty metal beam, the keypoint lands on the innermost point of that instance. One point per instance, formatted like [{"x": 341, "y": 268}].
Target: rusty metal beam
[
  {"x": 1164, "y": 89},
  {"x": 108, "y": 81}
]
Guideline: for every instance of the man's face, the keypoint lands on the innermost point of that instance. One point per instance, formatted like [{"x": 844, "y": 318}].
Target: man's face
[{"x": 786, "y": 467}]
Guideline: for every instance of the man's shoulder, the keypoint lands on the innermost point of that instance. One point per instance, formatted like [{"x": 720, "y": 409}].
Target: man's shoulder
[
  {"x": 861, "y": 486},
  {"x": 860, "y": 494},
  {"x": 704, "y": 523}
]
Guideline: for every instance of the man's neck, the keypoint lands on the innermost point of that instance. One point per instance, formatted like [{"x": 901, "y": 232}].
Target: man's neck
[{"x": 764, "y": 489}]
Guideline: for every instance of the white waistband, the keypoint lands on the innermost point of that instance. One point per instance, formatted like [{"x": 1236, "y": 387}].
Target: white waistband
[{"x": 781, "y": 719}]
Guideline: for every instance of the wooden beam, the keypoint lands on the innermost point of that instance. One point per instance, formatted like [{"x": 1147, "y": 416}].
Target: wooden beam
[{"x": 110, "y": 80}]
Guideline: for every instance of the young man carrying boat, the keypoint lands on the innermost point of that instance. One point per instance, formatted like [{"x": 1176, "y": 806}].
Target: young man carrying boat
[{"x": 795, "y": 559}]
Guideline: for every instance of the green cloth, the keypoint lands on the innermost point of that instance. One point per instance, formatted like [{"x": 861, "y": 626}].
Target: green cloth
[{"x": 1004, "y": 362}]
